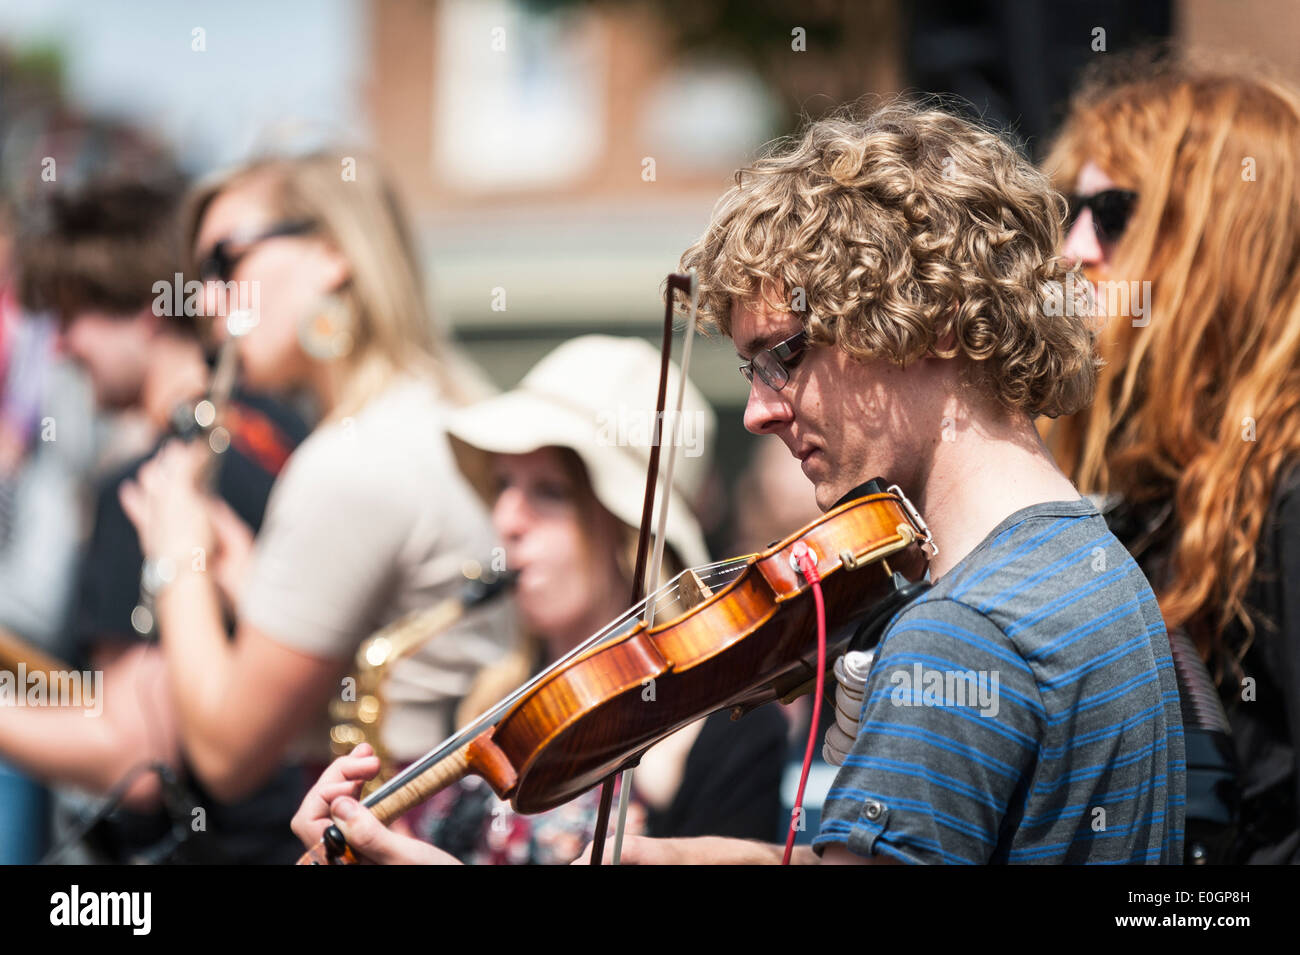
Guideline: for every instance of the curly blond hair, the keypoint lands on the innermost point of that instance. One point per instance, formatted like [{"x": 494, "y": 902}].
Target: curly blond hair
[{"x": 889, "y": 231}]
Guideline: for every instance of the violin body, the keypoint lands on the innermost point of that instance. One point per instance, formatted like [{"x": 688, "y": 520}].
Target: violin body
[{"x": 749, "y": 643}]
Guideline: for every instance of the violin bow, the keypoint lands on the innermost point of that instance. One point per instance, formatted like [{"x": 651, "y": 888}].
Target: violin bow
[{"x": 646, "y": 575}]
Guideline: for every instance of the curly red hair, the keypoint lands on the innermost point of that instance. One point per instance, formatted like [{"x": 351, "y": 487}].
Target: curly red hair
[{"x": 1201, "y": 406}]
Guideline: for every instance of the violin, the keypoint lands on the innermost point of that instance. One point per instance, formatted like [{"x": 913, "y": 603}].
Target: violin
[{"x": 731, "y": 635}]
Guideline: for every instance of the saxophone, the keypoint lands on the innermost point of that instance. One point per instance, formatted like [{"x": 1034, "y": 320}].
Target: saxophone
[
  {"x": 190, "y": 422},
  {"x": 360, "y": 719},
  {"x": 16, "y": 652}
]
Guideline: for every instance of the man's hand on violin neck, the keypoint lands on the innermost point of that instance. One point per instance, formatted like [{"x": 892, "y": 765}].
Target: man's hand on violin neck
[
  {"x": 376, "y": 844},
  {"x": 334, "y": 800},
  {"x": 701, "y": 850}
]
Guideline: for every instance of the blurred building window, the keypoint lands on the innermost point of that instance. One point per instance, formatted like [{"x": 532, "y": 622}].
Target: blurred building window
[
  {"x": 708, "y": 114},
  {"x": 519, "y": 96}
]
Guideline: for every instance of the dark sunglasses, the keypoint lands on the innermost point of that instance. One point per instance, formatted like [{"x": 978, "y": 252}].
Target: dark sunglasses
[
  {"x": 773, "y": 364},
  {"x": 1111, "y": 210},
  {"x": 219, "y": 264}
]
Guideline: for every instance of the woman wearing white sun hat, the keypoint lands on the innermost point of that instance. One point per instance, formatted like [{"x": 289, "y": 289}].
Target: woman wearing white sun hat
[
  {"x": 595, "y": 397},
  {"x": 561, "y": 460}
]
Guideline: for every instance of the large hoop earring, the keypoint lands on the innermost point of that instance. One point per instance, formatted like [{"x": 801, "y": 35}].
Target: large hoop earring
[{"x": 326, "y": 329}]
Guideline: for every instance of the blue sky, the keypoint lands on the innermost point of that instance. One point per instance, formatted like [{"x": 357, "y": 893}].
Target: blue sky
[{"x": 286, "y": 73}]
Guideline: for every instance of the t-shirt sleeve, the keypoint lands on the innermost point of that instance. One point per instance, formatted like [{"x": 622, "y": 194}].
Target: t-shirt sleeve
[
  {"x": 326, "y": 555},
  {"x": 950, "y": 725}
]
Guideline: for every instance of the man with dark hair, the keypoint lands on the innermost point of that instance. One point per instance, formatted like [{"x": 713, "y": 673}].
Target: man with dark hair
[
  {"x": 105, "y": 263},
  {"x": 95, "y": 264}
]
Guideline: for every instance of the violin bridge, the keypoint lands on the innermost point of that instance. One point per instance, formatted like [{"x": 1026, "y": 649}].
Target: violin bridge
[{"x": 692, "y": 591}]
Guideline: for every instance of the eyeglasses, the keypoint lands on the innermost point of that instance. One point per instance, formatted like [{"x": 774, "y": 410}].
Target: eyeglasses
[
  {"x": 773, "y": 364},
  {"x": 219, "y": 264},
  {"x": 1111, "y": 210}
]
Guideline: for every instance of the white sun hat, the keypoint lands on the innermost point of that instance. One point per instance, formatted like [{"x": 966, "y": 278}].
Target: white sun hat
[{"x": 596, "y": 395}]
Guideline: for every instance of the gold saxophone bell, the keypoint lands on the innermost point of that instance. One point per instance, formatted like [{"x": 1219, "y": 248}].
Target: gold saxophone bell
[{"x": 360, "y": 718}]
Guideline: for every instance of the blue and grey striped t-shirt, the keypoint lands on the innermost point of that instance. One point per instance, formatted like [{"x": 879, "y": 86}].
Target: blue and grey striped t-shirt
[{"x": 1023, "y": 710}]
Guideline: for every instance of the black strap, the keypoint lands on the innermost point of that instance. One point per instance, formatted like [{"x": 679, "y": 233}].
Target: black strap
[
  {"x": 872, "y": 624},
  {"x": 876, "y": 485}
]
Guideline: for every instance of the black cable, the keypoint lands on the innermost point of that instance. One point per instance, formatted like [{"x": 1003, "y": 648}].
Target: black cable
[{"x": 111, "y": 802}]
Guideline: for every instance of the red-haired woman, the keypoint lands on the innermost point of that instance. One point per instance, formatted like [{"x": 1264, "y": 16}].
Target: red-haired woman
[{"x": 1186, "y": 194}]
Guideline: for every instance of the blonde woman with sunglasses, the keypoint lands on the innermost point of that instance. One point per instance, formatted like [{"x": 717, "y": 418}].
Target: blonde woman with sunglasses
[{"x": 369, "y": 519}]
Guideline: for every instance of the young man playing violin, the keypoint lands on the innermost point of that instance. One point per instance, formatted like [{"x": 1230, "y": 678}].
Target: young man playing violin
[{"x": 892, "y": 287}]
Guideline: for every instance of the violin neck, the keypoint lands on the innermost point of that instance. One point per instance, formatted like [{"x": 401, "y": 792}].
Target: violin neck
[{"x": 438, "y": 776}]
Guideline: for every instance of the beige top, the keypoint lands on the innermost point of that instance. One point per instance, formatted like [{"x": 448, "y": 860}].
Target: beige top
[{"x": 369, "y": 520}]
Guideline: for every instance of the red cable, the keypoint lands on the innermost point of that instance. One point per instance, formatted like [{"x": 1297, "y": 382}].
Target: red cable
[{"x": 808, "y": 566}]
